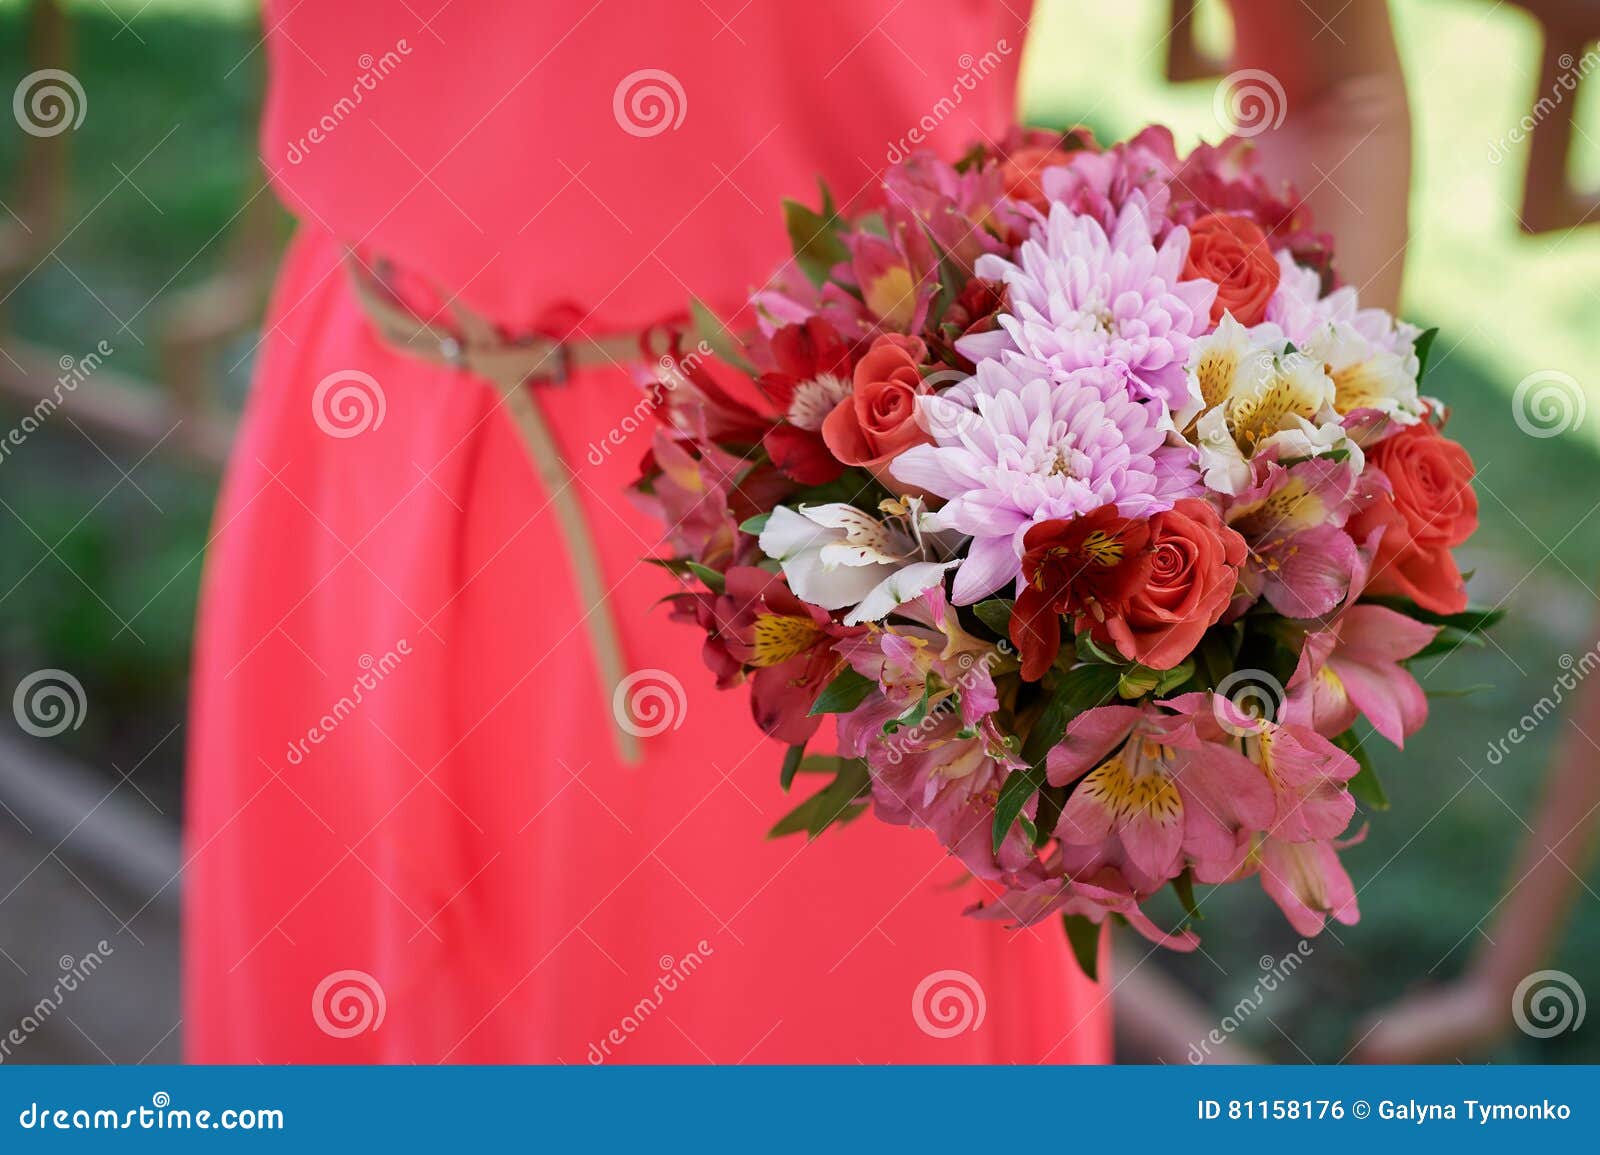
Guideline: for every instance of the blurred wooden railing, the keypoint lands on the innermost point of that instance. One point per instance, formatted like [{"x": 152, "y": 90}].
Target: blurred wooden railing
[{"x": 192, "y": 327}]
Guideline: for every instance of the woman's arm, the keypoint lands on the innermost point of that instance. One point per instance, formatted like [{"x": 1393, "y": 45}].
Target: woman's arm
[{"x": 1345, "y": 140}]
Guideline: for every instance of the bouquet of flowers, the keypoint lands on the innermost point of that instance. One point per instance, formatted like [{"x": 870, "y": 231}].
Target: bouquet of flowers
[{"x": 1102, "y": 519}]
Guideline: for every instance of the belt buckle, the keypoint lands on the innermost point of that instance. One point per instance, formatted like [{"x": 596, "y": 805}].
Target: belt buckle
[
  {"x": 453, "y": 351},
  {"x": 561, "y": 373}
]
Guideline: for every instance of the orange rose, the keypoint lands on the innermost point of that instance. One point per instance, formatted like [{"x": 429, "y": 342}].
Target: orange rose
[
  {"x": 1193, "y": 567},
  {"x": 1232, "y": 252},
  {"x": 1023, "y": 168},
  {"x": 878, "y": 420},
  {"x": 1431, "y": 509}
]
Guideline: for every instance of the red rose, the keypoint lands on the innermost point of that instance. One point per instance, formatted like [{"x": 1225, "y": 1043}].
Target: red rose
[
  {"x": 1232, "y": 252},
  {"x": 878, "y": 420},
  {"x": 1430, "y": 509},
  {"x": 1082, "y": 565},
  {"x": 1193, "y": 568}
]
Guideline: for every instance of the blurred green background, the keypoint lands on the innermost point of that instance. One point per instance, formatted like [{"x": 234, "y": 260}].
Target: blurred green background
[{"x": 151, "y": 209}]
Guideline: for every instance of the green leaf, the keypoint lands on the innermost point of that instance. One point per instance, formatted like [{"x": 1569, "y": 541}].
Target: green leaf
[
  {"x": 1365, "y": 785},
  {"x": 844, "y": 693},
  {"x": 791, "y": 765},
  {"x": 1473, "y": 619},
  {"x": 996, "y": 614},
  {"x": 714, "y": 581},
  {"x": 1080, "y": 688},
  {"x": 1462, "y": 692},
  {"x": 720, "y": 339},
  {"x": 835, "y": 804},
  {"x": 829, "y": 210},
  {"x": 1447, "y": 640},
  {"x": 1020, "y": 786},
  {"x": 1084, "y": 937},
  {"x": 754, "y": 525},
  {"x": 1137, "y": 680},
  {"x": 817, "y": 248},
  {"x": 1424, "y": 347},
  {"x": 1090, "y": 651}
]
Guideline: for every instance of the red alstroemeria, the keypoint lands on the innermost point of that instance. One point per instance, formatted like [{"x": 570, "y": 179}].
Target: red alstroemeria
[
  {"x": 810, "y": 376},
  {"x": 785, "y": 642},
  {"x": 1081, "y": 565}
]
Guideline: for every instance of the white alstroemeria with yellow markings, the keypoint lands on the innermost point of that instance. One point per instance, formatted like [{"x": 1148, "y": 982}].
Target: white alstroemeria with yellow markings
[
  {"x": 836, "y": 555},
  {"x": 1252, "y": 392},
  {"x": 1370, "y": 356}
]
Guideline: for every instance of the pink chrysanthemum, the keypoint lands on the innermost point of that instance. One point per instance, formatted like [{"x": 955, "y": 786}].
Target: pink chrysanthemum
[
  {"x": 1029, "y": 449},
  {"x": 1081, "y": 298}
]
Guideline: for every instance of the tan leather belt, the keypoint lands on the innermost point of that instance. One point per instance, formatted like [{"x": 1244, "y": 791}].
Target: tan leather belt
[{"x": 516, "y": 368}]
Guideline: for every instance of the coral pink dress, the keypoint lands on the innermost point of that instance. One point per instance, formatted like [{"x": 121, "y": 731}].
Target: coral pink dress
[{"x": 409, "y": 837}]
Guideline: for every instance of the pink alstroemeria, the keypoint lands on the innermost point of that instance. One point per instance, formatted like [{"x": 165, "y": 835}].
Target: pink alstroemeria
[
  {"x": 1301, "y": 560},
  {"x": 1094, "y": 892},
  {"x": 1154, "y": 788},
  {"x": 1353, "y": 667},
  {"x": 917, "y": 668},
  {"x": 1304, "y": 770},
  {"x": 940, "y": 775},
  {"x": 1306, "y": 879}
]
